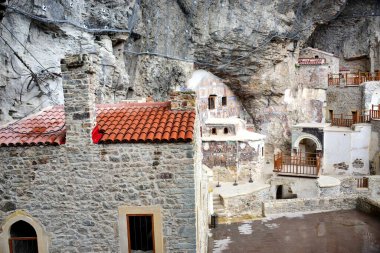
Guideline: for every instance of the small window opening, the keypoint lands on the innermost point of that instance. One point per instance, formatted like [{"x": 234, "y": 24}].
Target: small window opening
[
  {"x": 23, "y": 238},
  {"x": 224, "y": 101},
  {"x": 140, "y": 233},
  {"x": 213, "y": 131},
  {"x": 262, "y": 151},
  {"x": 130, "y": 92},
  {"x": 211, "y": 102},
  {"x": 225, "y": 130},
  {"x": 316, "y": 57},
  {"x": 331, "y": 114}
]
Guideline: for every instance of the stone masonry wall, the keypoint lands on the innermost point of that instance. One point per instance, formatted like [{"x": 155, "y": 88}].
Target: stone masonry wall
[
  {"x": 247, "y": 204},
  {"x": 284, "y": 206},
  {"x": 344, "y": 99},
  {"x": 75, "y": 192}
]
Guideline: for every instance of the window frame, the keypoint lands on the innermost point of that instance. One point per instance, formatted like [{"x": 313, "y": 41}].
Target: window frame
[
  {"x": 129, "y": 229},
  {"x": 157, "y": 227}
]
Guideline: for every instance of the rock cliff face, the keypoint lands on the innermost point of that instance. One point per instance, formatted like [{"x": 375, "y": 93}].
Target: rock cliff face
[{"x": 147, "y": 48}]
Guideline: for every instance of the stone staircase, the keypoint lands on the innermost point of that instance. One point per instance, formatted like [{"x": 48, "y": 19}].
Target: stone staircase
[{"x": 218, "y": 206}]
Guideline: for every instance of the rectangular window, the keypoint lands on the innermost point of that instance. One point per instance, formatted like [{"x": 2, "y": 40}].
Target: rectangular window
[
  {"x": 224, "y": 101},
  {"x": 140, "y": 233},
  {"x": 211, "y": 102},
  {"x": 331, "y": 115}
]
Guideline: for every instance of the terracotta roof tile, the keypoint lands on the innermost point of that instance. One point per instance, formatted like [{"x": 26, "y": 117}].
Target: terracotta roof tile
[
  {"x": 122, "y": 122},
  {"x": 142, "y": 122},
  {"x": 45, "y": 128}
]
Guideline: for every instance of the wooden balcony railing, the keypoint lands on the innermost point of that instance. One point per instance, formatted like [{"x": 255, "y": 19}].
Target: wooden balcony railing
[
  {"x": 349, "y": 120},
  {"x": 297, "y": 165},
  {"x": 355, "y": 118},
  {"x": 352, "y": 78}
]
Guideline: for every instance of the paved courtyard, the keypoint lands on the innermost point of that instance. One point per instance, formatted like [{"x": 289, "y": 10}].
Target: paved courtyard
[{"x": 329, "y": 232}]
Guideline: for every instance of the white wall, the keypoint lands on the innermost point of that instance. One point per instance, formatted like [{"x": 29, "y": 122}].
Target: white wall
[
  {"x": 343, "y": 145},
  {"x": 337, "y": 146},
  {"x": 360, "y": 147}
]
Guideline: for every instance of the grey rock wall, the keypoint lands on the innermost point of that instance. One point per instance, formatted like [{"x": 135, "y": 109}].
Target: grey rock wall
[
  {"x": 352, "y": 36},
  {"x": 252, "y": 45}
]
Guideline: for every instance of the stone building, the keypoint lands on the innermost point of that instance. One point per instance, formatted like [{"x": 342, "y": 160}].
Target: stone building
[
  {"x": 233, "y": 152},
  {"x": 343, "y": 150},
  {"x": 214, "y": 98},
  {"x": 102, "y": 178},
  {"x": 315, "y": 65},
  {"x": 229, "y": 145}
]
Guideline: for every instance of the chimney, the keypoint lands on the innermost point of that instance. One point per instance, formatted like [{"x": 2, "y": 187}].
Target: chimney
[
  {"x": 79, "y": 81},
  {"x": 182, "y": 100}
]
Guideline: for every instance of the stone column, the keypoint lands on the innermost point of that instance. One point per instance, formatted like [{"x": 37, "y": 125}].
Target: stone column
[{"x": 79, "y": 81}]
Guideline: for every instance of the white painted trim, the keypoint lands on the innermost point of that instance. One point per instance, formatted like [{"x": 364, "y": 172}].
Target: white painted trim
[
  {"x": 157, "y": 223},
  {"x": 20, "y": 215},
  {"x": 307, "y": 136}
]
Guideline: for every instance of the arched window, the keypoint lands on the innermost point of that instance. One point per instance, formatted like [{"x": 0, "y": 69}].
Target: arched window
[
  {"x": 225, "y": 130},
  {"x": 23, "y": 238},
  {"x": 23, "y": 234},
  {"x": 213, "y": 131}
]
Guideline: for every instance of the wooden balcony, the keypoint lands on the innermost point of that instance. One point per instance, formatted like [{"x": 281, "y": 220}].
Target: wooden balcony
[
  {"x": 352, "y": 79},
  {"x": 348, "y": 120},
  {"x": 297, "y": 166},
  {"x": 355, "y": 118}
]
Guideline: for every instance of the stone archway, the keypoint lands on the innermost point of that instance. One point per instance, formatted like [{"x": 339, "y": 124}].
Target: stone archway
[
  {"x": 309, "y": 137},
  {"x": 19, "y": 215}
]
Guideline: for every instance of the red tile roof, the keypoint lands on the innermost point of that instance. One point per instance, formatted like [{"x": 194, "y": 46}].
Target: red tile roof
[
  {"x": 46, "y": 127},
  {"x": 143, "y": 122},
  {"x": 123, "y": 122}
]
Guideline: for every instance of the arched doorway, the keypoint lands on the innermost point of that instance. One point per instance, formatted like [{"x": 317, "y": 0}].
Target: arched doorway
[
  {"x": 307, "y": 145},
  {"x": 307, "y": 148},
  {"x": 23, "y": 238}
]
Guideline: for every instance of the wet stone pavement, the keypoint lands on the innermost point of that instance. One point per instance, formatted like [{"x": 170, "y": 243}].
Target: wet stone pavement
[{"x": 329, "y": 232}]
